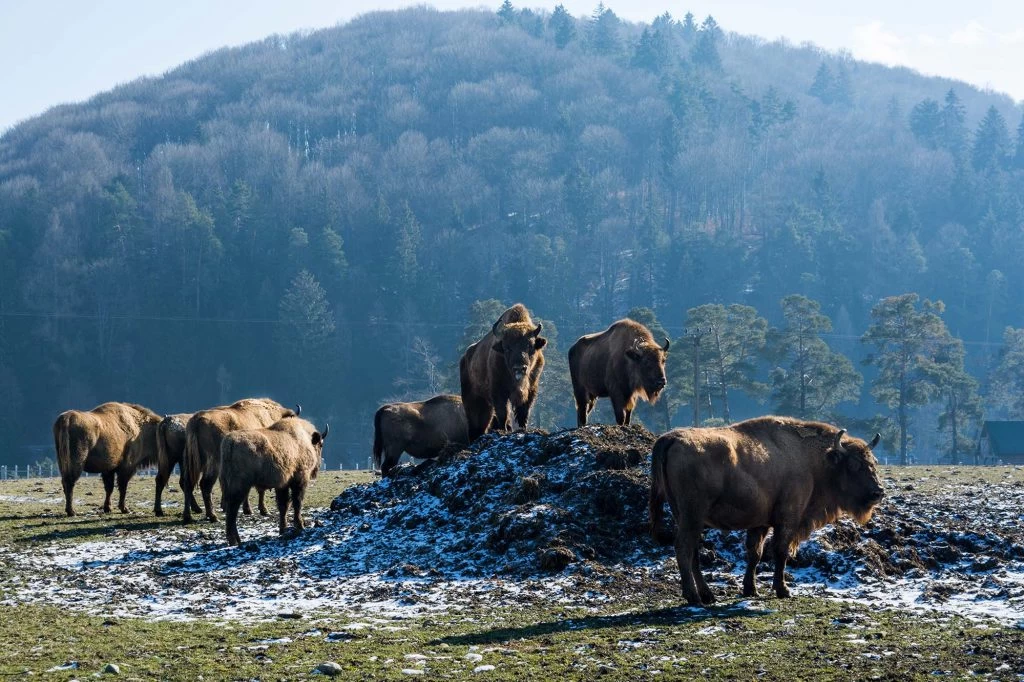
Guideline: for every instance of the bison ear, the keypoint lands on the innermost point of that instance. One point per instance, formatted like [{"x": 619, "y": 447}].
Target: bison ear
[
  {"x": 540, "y": 342},
  {"x": 633, "y": 354},
  {"x": 317, "y": 438},
  {"x": 497, "y": 347}
]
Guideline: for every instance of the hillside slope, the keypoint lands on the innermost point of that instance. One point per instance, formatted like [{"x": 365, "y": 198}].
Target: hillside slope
[{"x": 312, "y": 216}]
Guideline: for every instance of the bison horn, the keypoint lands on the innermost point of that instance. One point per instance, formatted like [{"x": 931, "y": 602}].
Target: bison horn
[
  {"x": 839, "y": 436},
  {"x": 874, "y": 441},
  {"x": 298, "y": 409},
  {"x": 667, "y": 344},
  {"x": 536, "y": 332},
  {"x": 497, "y": 328},
  {"x": 327, "y": 429}
]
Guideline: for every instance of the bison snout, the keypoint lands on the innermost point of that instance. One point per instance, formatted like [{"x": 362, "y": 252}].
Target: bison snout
[
  {"x": 876, "y": 496},
  {"x": 519, "y": 373}
]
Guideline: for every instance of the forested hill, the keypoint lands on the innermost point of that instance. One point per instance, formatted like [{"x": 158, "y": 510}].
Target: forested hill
[{"x": 328, "y": 217}]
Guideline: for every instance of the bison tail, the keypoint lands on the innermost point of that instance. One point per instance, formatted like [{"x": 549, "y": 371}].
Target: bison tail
[
  {"x": 191, "y": 462},
  {"x": 658, "y": 490},
  {"x": 378, "y": 442},
  {"x": 62, "y": 443},
  {"x": 162, "y": 454}
]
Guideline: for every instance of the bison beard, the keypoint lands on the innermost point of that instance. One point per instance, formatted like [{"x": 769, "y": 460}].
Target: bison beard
[
  {"x": 789, "y": 475},
  {"x": 622, "y": 363},
  {"x": 500, "y": 370}
]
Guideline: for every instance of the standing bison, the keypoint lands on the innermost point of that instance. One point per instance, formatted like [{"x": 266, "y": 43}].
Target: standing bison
[
  {"x": 789, "y": 475},
  {"x": 170, "y": 447},
  {"x": 502, "y": 369},
  {"x": 423, "y": 429},
  {"x": 622, "y": 363},
  {"x": 283, "y": 456},
  {"x": 203, "y": 435},
  {"x": 111, "y": 439}
]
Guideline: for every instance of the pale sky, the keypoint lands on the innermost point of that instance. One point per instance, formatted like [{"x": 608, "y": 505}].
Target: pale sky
[{"x": 56, "y": 51}]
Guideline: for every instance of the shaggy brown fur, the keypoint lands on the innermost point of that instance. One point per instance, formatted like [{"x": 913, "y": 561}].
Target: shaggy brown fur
[
  {"x": 790, "y": 475},
  {"x": 284, "y": 456},
  {"x": 203, "y": 435},
  {"x": 423, "y": 429},
  {"x": 502, "y": 369},
  {"x": 170, "y": 446},
  {"x": 110, "y": 439},
  {"x": 622, "y": 363}
]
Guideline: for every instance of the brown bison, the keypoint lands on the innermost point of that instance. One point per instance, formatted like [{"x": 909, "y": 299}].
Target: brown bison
[
  {"x": 423, "y": 429},
  {"x": 203, "y": 434},
  {"x": 284, "y": 456},
  {"x": 771, "y": 472},
  {"x": 622, "y": 363},
  {"x": 170, "y": 447},
  {"x": 110, "y": 439},
  {"x": 501, "y": 369}
]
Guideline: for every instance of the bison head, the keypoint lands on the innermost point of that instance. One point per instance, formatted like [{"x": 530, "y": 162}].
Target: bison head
[
  {"x": 519, "y": 343},
  {"x": 648, "y": 362},
  {"x": 855, "y": 472},
  {"x": 318, "y": 444}
]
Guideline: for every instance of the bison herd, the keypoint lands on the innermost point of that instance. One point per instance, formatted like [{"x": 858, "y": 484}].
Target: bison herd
[{"x": 777, "y": 473}]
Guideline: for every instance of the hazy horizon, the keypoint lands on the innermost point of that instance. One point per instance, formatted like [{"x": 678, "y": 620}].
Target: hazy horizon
[{"x": 127, "y": 41}]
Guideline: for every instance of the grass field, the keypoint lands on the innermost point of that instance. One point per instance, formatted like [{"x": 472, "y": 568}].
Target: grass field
[{"x": 642, "y": 637}]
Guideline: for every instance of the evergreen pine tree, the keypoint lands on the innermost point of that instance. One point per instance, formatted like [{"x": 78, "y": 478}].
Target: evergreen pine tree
[
  {"x": 705, "y": 51},
  {"x": 823, "y": 85},
  {"x": 507, "y": 12},
  {"x": 991, "y": 143},
  {"x": 563, "y": 26}
]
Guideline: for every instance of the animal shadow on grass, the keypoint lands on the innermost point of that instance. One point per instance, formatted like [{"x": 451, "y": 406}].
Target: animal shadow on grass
[
  {"x": 98, "y": 527},
  {"x": 674, "y": 615}
]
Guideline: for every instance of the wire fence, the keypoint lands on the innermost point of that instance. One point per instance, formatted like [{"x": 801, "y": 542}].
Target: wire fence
[{"x": 50, "y": 470}]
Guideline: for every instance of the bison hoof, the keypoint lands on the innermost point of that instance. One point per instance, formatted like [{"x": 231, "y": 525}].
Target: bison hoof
[
  {"x": 212, "y": 518},
  {"x": 264, "y": 512},
  {"x": 157, "y": 511},
  {"x": 124, "y": 510},
  {"x": 782, "y": 592},
  {"x": 707, "y": 598},
  {"x": 69, "y": 512}
]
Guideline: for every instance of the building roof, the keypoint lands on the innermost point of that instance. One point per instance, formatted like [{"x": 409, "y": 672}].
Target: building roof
[{"x": 1005, "y": 438}]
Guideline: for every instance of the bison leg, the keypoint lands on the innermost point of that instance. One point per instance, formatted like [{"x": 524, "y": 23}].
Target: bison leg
[
  {"x": 68, "y": 481},
  {"x": 298, "y": 494},
  {"x": 392, "y": 454},
  {"x": 262, "y": 494},
  {"x": 781, "y": 547},
  {"x": 687, "y": 543},
  {"x": 246, "y": 508},
  {"x": 108, "y": 488},
  {"x": 621, "y": 411},
  {"x": 122, "y": 489},
  {"x": 162, "y": 474},
  {"x": 231, "y": 504},
  {"x": 755, "y": 547},
  {"x": 206, "y": 487},
  {"x": 478, "y": 417},
  {"x": 282, "y": 509},
  {"x": 188, "y": 486},
  {"x": 583, "y": 407},
  {"x": 501, "y": 418},
  {"x": 523, "y": 415}
]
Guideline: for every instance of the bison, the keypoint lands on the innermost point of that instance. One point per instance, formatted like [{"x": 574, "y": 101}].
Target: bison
[
  {"x": 203, "y": 435},
  {"x": 790, "y": 475},
  {"x": 423, "y": 429},
  {"x": 622, "y": 363},
  {"x": 284, "y": 456},
  {"x": 110, "y": 439},
  {"x": 501, "y": 369},
  {"x": 170, "y": 447}
]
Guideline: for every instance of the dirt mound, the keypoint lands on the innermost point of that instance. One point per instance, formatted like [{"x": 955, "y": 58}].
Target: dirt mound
[
  {"x": 533, "y": 503},
  {"x": 520, "y": 503}
]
